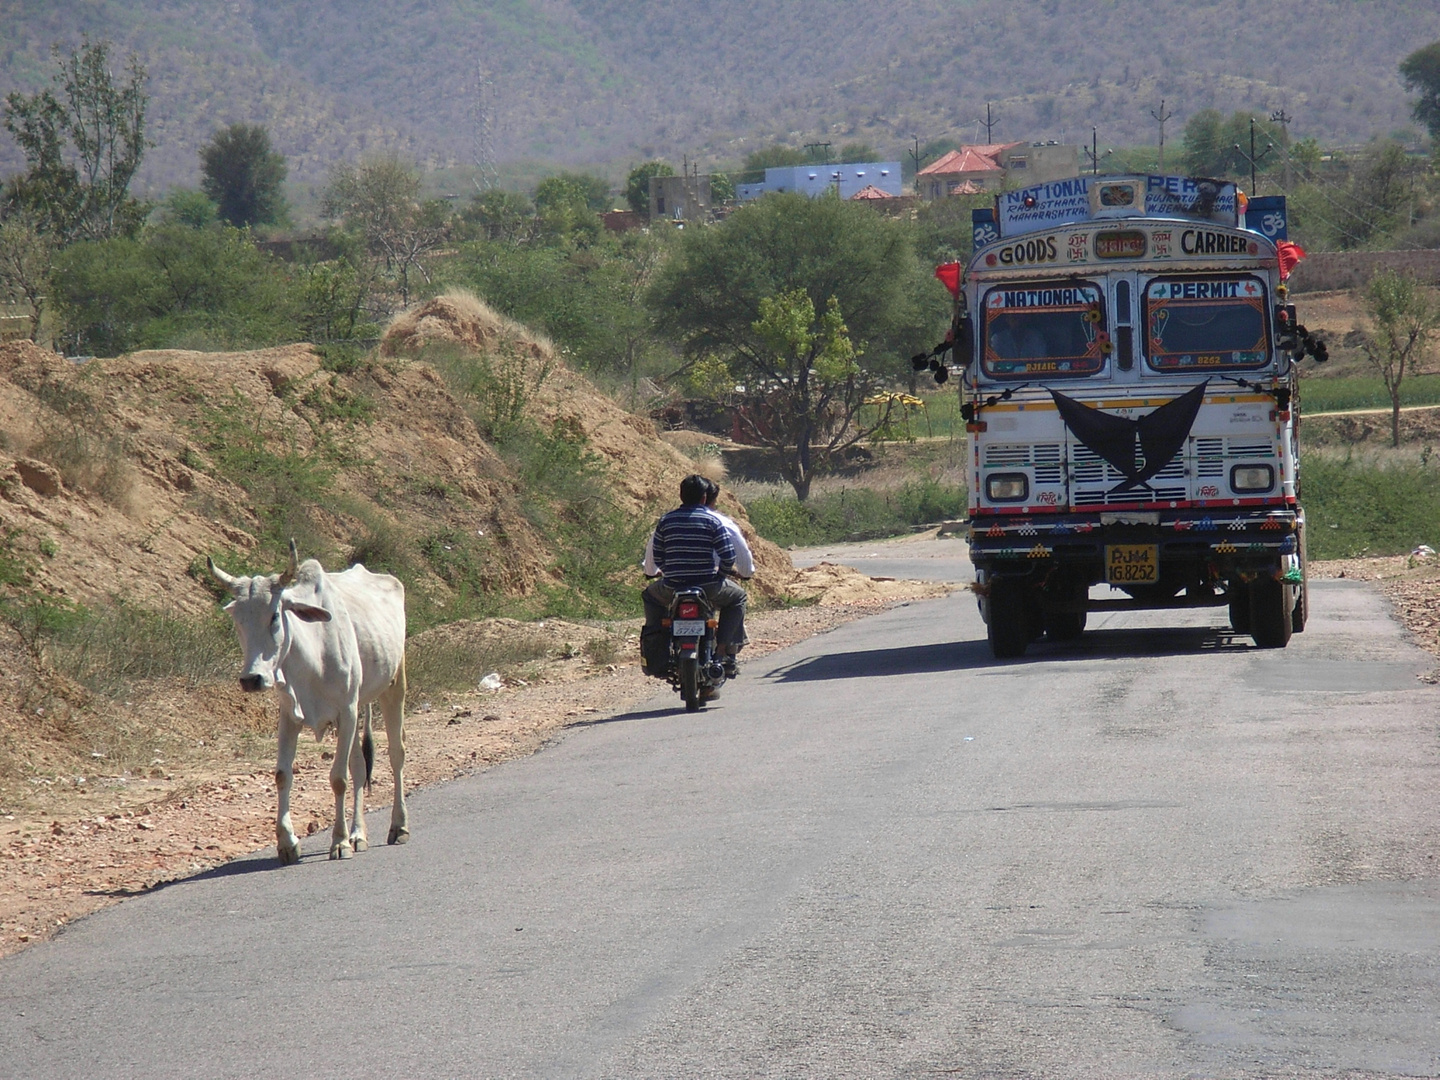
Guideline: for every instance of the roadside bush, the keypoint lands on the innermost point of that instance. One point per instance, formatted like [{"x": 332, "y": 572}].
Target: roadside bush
[
  {"x": 1377, "y": 506},
  {"x": 854, "y": 513}
]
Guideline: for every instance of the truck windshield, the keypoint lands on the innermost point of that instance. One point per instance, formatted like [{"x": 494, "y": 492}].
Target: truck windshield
[
  {"x": 1050, "y": 329},
  {"x": 1212, "y": 323}
]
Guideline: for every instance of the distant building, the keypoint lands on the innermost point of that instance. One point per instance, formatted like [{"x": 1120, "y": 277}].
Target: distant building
[
  {"x": 622, "y": 220},
  {"x": 973, "y": 169},
  {"x": 850, "y": 179},
  {"x": 680, "y": 198}
]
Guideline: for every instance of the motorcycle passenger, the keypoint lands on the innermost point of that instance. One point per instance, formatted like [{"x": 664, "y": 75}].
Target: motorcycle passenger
[{"x": 692, "y": 547}]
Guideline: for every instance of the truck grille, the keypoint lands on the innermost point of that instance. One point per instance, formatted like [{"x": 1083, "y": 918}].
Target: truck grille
[
  {"x": 1046, "y": 460},
  {"x": 1092, "y": 480}
]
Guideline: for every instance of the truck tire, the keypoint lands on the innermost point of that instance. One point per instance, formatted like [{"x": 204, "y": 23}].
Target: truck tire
[
  {"x": 1009, "y": 627},
  {"x": 1239, "y": 594},
  {"x": 1301, "y": 611},
  {"x": 1270, "y": 614}
]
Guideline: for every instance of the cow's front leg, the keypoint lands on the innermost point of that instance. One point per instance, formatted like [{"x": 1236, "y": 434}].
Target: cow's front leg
[
  {"x": 286, "y": 846},
  {"x": 360, "y": 753},
  {"x": 345, "y": 736}
]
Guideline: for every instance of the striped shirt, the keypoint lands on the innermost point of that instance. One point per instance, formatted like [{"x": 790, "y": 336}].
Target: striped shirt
[{"x": 686, "y": 544}]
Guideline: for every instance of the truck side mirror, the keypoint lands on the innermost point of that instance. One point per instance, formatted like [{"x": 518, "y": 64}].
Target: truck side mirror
[
  {"x": 1287, "y": 334},
  {"x": 965, "y": 341}
]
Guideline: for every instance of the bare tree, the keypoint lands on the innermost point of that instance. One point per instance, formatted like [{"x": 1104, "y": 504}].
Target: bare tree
[
  {"x": 1405, "y": 317},
  {"x": 380, "y": 199},
  {"x": 25, "y": 261}
]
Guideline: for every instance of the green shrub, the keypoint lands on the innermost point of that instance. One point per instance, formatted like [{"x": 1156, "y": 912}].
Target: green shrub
[{"x": 1384, "y": 507}]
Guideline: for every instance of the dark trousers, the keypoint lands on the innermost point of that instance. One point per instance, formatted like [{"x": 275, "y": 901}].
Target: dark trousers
[{"x": 728, "y": 597}]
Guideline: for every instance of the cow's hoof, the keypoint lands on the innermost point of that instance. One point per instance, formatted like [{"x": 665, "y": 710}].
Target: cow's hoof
[
  {"x": 398, "y": 835},
  {"x": 341, "y": 850},
  {"x": 359, "y": 843},
  {"x": 289, "y": 854}
]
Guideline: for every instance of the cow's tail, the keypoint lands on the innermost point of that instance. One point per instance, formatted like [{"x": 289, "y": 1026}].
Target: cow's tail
[{"x": 367, "y": 747}]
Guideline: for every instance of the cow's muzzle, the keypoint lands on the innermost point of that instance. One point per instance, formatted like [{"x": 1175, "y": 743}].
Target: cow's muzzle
[{"x": 251, "y": 683}]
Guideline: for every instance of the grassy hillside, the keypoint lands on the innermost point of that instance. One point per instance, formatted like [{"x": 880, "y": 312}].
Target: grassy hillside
[{"x": 612, "y": 80}]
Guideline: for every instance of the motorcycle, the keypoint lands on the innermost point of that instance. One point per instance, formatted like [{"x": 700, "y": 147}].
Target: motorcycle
[{"x": 696, "y": 670}]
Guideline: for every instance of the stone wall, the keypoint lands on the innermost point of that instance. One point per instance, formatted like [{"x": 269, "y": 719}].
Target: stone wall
[{"x": 1329, "y": 270}]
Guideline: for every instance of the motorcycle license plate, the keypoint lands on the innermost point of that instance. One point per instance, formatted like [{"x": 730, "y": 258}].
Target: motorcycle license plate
[
  {"x": 688, "y": 627},
  {"x": 1132, "y": 564}
]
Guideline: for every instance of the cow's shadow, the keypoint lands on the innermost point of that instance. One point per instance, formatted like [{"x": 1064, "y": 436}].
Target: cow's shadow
[{"x": 258, "y": 863}]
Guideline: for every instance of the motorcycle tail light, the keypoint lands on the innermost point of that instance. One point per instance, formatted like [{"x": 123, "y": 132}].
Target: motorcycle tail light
[{"x": 688, "y": 610}]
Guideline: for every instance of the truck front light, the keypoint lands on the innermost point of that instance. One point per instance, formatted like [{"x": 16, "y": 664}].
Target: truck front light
[
  {"x": 1252, "y": 478},
  {"x": 1007, "y": 487}
]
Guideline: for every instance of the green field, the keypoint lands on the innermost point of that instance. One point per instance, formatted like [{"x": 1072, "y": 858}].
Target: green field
[{"x": 1322, "y": 395}]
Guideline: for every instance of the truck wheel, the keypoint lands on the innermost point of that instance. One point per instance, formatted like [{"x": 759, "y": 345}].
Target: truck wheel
[
  {"x": 1239, "y": 594},
  {"x": 1270, "y": 614},
  {"x": 1009, "y": 627}
]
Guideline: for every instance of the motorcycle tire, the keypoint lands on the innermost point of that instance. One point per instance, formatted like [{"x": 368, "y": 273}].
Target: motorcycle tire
[{"x": 690, "y": 682}]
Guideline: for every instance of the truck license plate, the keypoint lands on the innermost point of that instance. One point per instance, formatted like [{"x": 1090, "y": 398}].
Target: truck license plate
[
  {"x": 1132, "y": 564},
  {"x": 687, "y": 628}
]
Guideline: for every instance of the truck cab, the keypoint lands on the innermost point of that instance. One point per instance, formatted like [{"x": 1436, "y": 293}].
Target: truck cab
[{"x": 1127, "y": 367}]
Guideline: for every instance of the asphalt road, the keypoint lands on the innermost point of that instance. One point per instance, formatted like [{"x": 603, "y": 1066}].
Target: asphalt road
[{"x": 1158, "y": 852}]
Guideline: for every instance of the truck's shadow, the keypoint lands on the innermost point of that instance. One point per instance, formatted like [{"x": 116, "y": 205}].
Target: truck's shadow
[{"x": 961, "y": 655}]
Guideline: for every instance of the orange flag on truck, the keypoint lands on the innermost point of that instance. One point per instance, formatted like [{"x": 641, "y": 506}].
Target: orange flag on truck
[
  {"x": 1289, "y": 255},
  {"x": 949, "y": 275}
]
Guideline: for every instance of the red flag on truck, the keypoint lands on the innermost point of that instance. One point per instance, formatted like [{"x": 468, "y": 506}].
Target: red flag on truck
[
  {"x": 1289, "y": 255},
  {"x": 949, "y": 275}
]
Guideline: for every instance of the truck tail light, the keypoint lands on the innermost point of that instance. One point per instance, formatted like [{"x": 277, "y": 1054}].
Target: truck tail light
[
  {"x": 1007, "y": 487},
  {"x": 1252, "y": 478}
]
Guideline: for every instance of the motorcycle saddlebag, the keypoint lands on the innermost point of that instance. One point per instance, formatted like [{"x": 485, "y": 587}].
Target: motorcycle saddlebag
[{"x": 655, "y": 651}]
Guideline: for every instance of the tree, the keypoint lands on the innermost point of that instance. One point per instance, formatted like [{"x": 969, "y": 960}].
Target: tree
[
  {"x": 722, "y": 188},
  {"x": 1405, "y": 318},
  {"x": 593, "y": 192},
  {"x": 502, "y": 215},
  {"x": 857, "y": 153},
  {"x": 1420, "y": 71},
  {"x": 730, "y": 290},
  {"x": 380, "y": 200},
  {"x": 188, "y": 206},
  {"x": 25, "y": 262},
  {"x": 567, "y": 208},
  {"x": 104, "y": 124},
  {"x": 637, "y": 184},
  {"x": 244, "y": 176}
]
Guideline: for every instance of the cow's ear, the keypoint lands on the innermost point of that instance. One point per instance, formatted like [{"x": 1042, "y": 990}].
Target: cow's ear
[{"x": 307, "y": 612}]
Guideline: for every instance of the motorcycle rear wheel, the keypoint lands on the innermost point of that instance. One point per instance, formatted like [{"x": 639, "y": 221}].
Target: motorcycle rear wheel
[{"x": 690, "y": 682}]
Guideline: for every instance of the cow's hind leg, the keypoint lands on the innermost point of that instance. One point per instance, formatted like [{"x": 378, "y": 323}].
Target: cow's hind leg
[
  {"x": 286, "y": 846},
  {"x": 361, "y": 757},
  {"x": 392, "y": 707},
  {"x": 345, "y": 734}
]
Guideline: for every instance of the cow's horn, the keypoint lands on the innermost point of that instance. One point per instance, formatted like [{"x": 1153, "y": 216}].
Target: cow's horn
[
  {"x": 231, "y": 583},
  {"x": 288, "y": 577}
]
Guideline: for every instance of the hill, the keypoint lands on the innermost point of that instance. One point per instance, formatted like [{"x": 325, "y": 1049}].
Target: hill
[{"x": 611, "y": 81}]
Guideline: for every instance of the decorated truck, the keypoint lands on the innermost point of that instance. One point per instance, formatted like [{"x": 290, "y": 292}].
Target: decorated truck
[{"x": 1127, "y": 358}]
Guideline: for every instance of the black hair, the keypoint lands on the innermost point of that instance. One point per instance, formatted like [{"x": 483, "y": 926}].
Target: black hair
[
  {"x": 712, "y": 491},
  {"x": 693, "y": 489}
]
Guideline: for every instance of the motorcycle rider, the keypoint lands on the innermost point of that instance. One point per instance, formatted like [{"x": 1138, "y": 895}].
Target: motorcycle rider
[{"x": 692, "y": 546}]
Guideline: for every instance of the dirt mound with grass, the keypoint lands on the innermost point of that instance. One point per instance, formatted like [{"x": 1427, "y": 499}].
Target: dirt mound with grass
[{"x": 646, "y": 470}]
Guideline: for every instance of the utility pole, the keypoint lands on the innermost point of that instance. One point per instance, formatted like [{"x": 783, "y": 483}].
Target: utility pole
[
  {"x": 1251, "y": 157},
  {"x": 1094, "y": 152},
  {"x": 915, "y": 156},
  {"x": 1281, "y": 117},
  {"x": 1161, "y": 117},
  {"x": 990, "y": 122}
]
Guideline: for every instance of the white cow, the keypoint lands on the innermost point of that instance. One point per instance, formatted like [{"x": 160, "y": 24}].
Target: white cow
[{"x": 330, "y": 644}]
